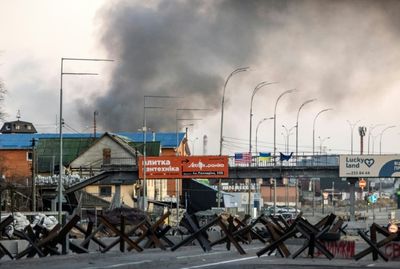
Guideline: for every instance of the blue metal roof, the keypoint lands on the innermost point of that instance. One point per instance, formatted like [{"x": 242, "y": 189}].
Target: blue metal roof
[
  {"x": 24, "y": 141},
  {"x": 16, "y": 141},
  {"x": 167, "y": 140}
]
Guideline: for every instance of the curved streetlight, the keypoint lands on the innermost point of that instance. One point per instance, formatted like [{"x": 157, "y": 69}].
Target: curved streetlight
[
  {"x": 374, "y": 137},
  {"x": 297, "y": 125},
  {"x": 258, "y": 125},
  {"x": 236, "y": 71},
  {"x": 61, "y": 168},
  {"x": 371, "y": 128},
  {"x": 321, "y": 141},
  {"x": 288, "y": 133},
  {"x": 352, "y": 125},
  {"x": 380, "y": 140},
  {"x": 297, "y": 141},
  {"x": 255, "y": 90},
  {"x": 276, "y": 104},
  {"x": 313, "y": 134}
]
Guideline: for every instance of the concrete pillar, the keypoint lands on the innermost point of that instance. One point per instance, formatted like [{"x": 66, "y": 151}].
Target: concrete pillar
[
  {"x": 117, "y": 195},
  {"x": 352, "y": 181}
]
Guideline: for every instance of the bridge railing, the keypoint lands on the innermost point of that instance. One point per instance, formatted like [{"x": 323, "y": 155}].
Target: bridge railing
[{"x": 301, "y": 160}]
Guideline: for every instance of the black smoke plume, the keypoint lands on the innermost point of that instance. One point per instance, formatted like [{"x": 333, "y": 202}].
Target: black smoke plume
[{"x": 335, "y": 50}]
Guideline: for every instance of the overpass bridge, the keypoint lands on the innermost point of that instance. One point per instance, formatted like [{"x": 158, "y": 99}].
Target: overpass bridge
[{"x": 305, "y": 166}]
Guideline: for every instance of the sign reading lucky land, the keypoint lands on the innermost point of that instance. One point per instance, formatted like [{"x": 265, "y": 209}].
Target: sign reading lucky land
[
  {"x": 369, "y": 166},
  {"x": 184, "y": 167}
]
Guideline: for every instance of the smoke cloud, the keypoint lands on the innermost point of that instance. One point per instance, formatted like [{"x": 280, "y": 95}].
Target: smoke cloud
[{"x": 337, "y": 51}]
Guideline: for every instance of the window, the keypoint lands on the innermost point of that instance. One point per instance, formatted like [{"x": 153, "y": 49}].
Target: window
[
  {"x": 17, "y": 127},
  {"x": 29, "y": 156},
  {"x": 105, "y": 191},
  {"x": 106, "y": 156}
]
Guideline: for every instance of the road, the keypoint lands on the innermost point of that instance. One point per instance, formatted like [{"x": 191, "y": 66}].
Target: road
[{"x": 189, "y": 258}]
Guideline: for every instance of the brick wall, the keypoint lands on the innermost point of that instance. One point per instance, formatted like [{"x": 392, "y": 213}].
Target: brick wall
[
  {"x": 14, "y": 164},
  {"x": 267, "y": 193}
]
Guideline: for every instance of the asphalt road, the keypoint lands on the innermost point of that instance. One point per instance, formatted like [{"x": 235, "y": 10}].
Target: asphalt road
[{"x": 189, "y": 258}]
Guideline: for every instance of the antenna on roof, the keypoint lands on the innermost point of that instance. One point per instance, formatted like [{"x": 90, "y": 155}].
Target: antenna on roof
[{"x": 18, "y": 114}]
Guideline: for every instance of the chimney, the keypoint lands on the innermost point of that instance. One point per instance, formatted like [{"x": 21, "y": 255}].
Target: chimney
[{"x": 205, "y": 140}]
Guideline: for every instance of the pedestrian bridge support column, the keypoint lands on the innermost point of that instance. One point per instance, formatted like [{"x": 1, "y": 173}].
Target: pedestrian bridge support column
[{"x": 352, "y": 181}]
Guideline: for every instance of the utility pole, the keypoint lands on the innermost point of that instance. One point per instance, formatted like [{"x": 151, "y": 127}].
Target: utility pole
[{"x": 34, "y": 163}]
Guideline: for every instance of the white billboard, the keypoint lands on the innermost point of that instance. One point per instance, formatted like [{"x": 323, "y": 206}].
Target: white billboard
[{"x": 369, "y": 166}]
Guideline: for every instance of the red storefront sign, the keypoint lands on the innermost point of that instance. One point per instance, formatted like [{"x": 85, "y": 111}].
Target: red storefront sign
[{"x": 184, "y": 167}]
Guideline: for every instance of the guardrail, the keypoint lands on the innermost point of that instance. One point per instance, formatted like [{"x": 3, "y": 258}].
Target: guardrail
[{"x": 301, "y": 160}]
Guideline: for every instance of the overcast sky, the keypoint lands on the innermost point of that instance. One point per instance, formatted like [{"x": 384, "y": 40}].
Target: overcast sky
[{"x": 343, "y": 53}]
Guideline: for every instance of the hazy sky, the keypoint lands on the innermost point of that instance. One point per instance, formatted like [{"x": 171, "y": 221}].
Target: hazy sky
[{"x": 343, "y": 53}]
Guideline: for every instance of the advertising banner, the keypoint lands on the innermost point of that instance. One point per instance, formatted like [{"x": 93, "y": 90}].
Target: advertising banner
[
  {"x": 369, "y": 166},
  {"x": 184, "y": 167}
]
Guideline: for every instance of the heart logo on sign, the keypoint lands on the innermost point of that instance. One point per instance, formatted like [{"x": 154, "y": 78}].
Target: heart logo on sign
[{"x": 369, "y": 162}]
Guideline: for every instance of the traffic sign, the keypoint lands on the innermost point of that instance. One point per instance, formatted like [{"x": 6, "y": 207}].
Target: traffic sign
[
  {"x": 393, "y": 228},
  {"x": 362, "y": 183},
  {"x": 373, "y": 198}
]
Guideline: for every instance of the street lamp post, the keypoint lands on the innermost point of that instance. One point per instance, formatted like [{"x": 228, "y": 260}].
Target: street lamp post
[
  {"x": 61, "y": 169},
  {"x": 285, "y": 141},
  {"x": 352, "y": 125},
  {"x": 276, "y": 104},
  {"x": 371, "y": 128},
  {"x": 288, "y": 133},
  {"x": 321, "y": 141},
  {"x": 374, "y": 137},
  {"x": 144, "y": 129},
  {"x": 380, "y": 140},
  {"x": 255, "y": 90},
  {"x": 297, "y": 125},
  {"x": 236, "y": 71},
  {"x": 313, "y": 135},
  {"x": 297, "y": 142},
  {"x": 258, "y": 125},
  {"x": 177, "y": 189},
  {"x": 177, "y": 152}
]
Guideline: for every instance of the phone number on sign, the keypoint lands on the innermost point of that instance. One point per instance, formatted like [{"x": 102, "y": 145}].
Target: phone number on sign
[{"x": 359, "y": 173}]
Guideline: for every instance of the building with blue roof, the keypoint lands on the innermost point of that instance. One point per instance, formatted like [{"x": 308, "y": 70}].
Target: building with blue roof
[
  {"x": 24, "y": 141},
  {"x": 16, "y": 149}
]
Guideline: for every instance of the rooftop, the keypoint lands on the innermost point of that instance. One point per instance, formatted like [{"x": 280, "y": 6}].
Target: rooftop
[{"x": 24, "y": 141}]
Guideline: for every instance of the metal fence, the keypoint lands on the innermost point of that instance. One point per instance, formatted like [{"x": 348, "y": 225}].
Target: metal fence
[{"x": 301, "y": 160}]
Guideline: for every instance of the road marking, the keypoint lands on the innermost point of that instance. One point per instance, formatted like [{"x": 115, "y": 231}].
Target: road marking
[
  {"x": 117, "y": 265},
  {"x": 371, "y": 265},
  {"x": 199, "y": 255},
  {"x": 218, "y": 263},
  {"x": 212, "y": 253}
]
